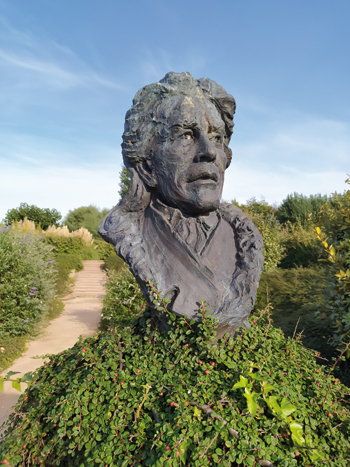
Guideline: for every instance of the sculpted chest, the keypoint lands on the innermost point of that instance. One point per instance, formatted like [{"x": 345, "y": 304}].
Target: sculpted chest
[{"x": 184, "y": 276}]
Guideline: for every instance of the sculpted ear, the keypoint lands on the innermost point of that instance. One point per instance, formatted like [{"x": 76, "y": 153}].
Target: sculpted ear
[{"x": 146, "y": 173}]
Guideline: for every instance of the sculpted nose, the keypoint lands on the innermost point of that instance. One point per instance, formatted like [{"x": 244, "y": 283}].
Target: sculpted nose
[{"x": 206, "y": 150}]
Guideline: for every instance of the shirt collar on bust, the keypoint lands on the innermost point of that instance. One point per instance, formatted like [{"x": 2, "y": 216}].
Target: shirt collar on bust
[{"x": 195, "y": 231}]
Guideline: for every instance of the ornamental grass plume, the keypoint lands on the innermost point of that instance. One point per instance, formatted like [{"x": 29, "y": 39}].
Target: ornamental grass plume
[
  {"x": 24, "y": 226},
  {"x": 82, "y": 233}
]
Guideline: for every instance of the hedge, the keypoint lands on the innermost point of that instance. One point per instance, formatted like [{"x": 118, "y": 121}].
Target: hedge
[{"x": 140, "y": 397}]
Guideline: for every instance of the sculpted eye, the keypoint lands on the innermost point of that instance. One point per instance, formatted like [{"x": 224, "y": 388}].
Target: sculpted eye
[
  {"x": 216, "y": 138},
  {"x": 188, "y": 135}
]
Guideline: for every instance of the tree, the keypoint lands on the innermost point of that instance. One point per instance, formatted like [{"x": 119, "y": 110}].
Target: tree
[
  {"x": 85, "y": 216},
  {"x": 43, "y": 217},
  {"x": 297, "y": 208},
  {"x": 124, "y": 181},
  {"x": 333, "y": 230},
  {"x": 260, "y": 207},
  {"x": 263, "y": 216}
]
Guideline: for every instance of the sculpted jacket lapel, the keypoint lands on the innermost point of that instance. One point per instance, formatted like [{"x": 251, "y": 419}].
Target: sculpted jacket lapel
[{"x": 200, "y": 276}]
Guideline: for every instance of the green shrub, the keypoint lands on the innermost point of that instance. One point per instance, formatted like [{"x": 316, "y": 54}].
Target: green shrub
[
  {"x": 66, "y": 245},
  {"x": 141, "y": 397},
  {"x": 88, "y": 217},
  {"x": 333, "y": 230},
  {"x": 90, "y": 253},
  {"x": 301, "y": 247},
  {"x": 298, "y": 208},
  {"x": 64, "y": 264},
  {"x": 99, "y": 250},
  {"x": 41, "y": 217},
  {"x": 270, "y": 231},
  {"x": 13, "y": 347},
  {"x": 104, "y": 249},
  {"x": 114, "y": 262},
  {"x": 263, "y": 217},
  {"x": 27, "y": 281},
  {"x": 68, "y": 262},
  {"x": 124, "y": 301}
]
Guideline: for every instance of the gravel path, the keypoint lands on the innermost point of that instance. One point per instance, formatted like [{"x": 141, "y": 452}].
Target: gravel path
[{"x": 81, "y": 316}]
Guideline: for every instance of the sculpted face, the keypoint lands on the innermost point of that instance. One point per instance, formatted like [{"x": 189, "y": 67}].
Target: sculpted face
[{"x": 189, "y": 162}]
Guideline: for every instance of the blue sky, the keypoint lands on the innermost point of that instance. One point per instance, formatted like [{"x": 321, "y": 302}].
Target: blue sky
[{"x": 70, "y": 69}]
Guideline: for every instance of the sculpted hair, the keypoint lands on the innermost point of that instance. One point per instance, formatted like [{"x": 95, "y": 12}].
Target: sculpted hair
[{"x": 141, "y": 126}]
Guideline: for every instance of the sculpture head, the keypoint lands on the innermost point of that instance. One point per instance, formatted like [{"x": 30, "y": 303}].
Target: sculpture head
[{"x": 175, "y": 143}]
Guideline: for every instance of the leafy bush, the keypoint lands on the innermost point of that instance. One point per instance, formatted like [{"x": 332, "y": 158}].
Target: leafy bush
[
  {"x": 263, "y": 217},
  {"x": 66, "y": 245},
  {"x": 64, "y": 264},
  {"x": 88, "y": 217},
  {"x": 301, "y": 247},
  {"x": 123, "y": 301},
  {"x": 78, "y": 242},
  {"x": 42, "y": 217},
  {"x": 104, "y": 249},
  {"x": 297, "y": 208},
  {"x": 68, "y": 262},
  {"x": 11, "y": 348},
  {"x": 142, "y": 397},
  {"x": 334, "y": 232},
  {"x": 114, "y": 262},
  {"x": 270, "y": 231},
  {"x": 27, "y": 281}
]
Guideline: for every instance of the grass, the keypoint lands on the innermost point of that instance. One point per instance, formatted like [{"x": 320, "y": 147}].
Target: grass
[
  {"x": 296, "y": 295},
  {"x": 13, "y": 348}
]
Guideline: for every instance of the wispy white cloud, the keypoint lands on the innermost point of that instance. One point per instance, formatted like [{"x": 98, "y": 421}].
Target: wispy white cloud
[
  {"x": 52, "y": 63},
  {"x": 33, "y": 152},
  {"x": 303, "y": 141}
]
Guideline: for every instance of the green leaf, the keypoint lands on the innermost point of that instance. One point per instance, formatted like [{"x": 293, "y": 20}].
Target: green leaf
[
  {"x": 297, "y": 432},
  {"x": 1, "y": 384},
  {"x": 242, "y": 383},
  {"x": 11, "y": 373},
  {"x": 183, "y": 451},
  {"x": 16, "y": 385},
  {"x": 266, "y": 387},
  {"x": 255, "y": 376},
  {"x": 27, "y": 377},
  {"x": 272, "y": 403},
  {"x": 197, "y": 412},
  {"x": 316, "y": 455},
  {"x": 252, "y": 406},
  {"x": 287, "y": 409}
]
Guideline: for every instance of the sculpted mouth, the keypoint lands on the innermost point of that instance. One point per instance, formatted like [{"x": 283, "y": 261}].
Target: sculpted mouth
[{"x": 205, "y": 176}]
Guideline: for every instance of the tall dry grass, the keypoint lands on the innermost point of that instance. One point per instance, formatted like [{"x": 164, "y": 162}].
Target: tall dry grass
[{"x": 29, "y": 226}]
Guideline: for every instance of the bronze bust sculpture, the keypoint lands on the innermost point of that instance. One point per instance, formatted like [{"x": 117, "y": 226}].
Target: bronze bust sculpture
[{"x": 171, "y": 226}]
